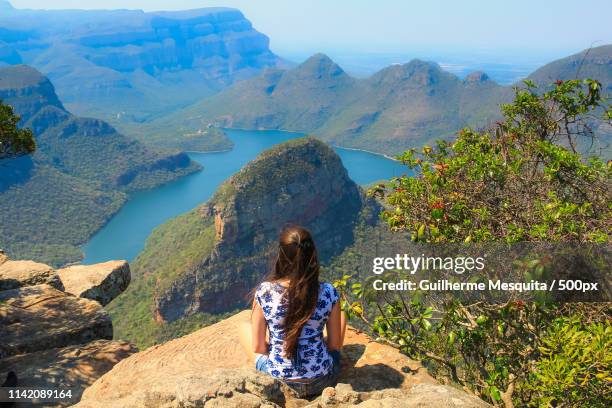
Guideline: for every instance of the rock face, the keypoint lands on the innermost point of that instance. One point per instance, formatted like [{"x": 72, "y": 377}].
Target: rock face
[
  {"x": 76, "y": 366},
  {"x": 40, "y": 317},
  {"x": 299, "y": 182},
  {"x": 50, "y": 338},
  {"x": 101, "y": 282},
  {"x": 114, "y": 64},
  {"x": 209, "y": 368}
]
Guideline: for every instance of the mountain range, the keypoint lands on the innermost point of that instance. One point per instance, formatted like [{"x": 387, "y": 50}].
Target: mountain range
[
  {"x": 400, "y": 107},
  {"x": 79, "y": 176},
  {"x": 126, "y": 66},
  {"x": 171, "y": 79}
]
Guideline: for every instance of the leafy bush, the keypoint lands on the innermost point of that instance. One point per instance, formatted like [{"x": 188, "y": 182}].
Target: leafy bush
[
  {"x": 575, "y": 365},
  {"x": 13, "y": 141},
  {"x": 516, "y": 183},
  {"x": 523, "y": 181}
]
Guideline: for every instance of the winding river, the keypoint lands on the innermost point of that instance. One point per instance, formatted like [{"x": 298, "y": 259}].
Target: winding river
[{"x": 123, "y": 237}]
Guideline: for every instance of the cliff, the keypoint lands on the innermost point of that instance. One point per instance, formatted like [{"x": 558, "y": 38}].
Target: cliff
[
  {"x": 207, "y": 260},
  {"x": 209, "y": 368},
  {"x": 53, "y": 329},
  {"x": 82, "y": 166},
  {"x": 115, "y": 64}
]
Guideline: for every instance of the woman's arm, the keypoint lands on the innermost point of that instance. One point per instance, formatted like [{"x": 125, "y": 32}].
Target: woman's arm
[
  {"x": 334, "y": 328},
  {"x": 258, "y": 330}
]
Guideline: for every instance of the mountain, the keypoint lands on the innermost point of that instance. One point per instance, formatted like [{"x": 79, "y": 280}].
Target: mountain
[
  {"x": 204, "y": 262},
  {"x": 80, "y": 175},
  {"x": 125, "y": 66},
  {"x": 595, "y": 63},
  {"x": 400, "y": 107}
]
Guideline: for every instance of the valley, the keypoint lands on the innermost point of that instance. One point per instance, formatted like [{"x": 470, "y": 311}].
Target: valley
[
  {"x": 51, "y": 202},
  {"x": 149, "y": 160},
  {"x": 123, "y": 237}
]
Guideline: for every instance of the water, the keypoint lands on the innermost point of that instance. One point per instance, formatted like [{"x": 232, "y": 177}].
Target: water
[{"x": 125, "y": 234}]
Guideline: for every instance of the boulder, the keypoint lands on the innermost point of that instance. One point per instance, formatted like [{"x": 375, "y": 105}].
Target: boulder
[
  {"x": 420, "y": 395},
  {"x": 209, "y": 368},
  {"x": 100, "y": 282},
  {"x": 36, "y": 318},
  {"x": 53, "y": 339},
  {"x": 240, "y": 387},
  {"x": 74, "y": 367},
  {"x": 16, "y": 274}
]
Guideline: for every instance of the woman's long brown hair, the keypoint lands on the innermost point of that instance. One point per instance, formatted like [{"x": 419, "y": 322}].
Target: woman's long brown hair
[{"x": 297, "y": 261}]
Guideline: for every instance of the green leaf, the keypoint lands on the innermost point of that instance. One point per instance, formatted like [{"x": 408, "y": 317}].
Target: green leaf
[
  {"x": 495, "y": 394},
  {"x": 421, "y": 232}
]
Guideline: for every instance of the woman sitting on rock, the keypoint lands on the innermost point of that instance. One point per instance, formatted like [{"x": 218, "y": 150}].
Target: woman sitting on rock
[{"x": 293, "y": 307}]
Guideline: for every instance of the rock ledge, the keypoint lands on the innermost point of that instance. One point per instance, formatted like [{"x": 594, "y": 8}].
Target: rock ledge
[
  {"x": 52, "y": 338},
  {"x": 208, "y": 368}
]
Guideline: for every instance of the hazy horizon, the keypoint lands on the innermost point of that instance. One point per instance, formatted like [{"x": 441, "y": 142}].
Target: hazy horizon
[{"x": 533, "y": 32}]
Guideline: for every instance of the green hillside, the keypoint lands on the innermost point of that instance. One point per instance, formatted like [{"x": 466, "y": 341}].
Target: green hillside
[
  {"x": 400, "y": 107},
  {"x": 191, "y": 136},
  {"x": 173, "y": 248},
  {"x": 592, "y": 63},
  {"x": 79, "y": 176},
  {"x": 46, "y": 213}
]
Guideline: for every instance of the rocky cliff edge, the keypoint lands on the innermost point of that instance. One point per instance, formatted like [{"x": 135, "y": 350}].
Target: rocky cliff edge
[
  {"x": 54, "y": 332},
  {"x": 208, "y": 368}
]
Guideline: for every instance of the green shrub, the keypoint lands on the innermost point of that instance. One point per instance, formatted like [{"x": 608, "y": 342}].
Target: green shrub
[
  {"x": 522, "y": 181},
  {"x": 575, "y": 365}
]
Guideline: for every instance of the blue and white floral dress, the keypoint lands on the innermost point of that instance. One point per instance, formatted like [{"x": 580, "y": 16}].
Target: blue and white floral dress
[{"x": 312, "y": 359}]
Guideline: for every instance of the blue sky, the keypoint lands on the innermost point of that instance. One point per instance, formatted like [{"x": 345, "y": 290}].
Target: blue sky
[{"x": 520, "y": 26}]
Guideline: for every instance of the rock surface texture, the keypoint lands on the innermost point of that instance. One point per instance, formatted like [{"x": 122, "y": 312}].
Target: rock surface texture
[
  {"x": 209, "y": 368},
  {"x": 51, "y": 338},
  {"x": 15, "y": 274},
  {"x": 101, "y": 282}
]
